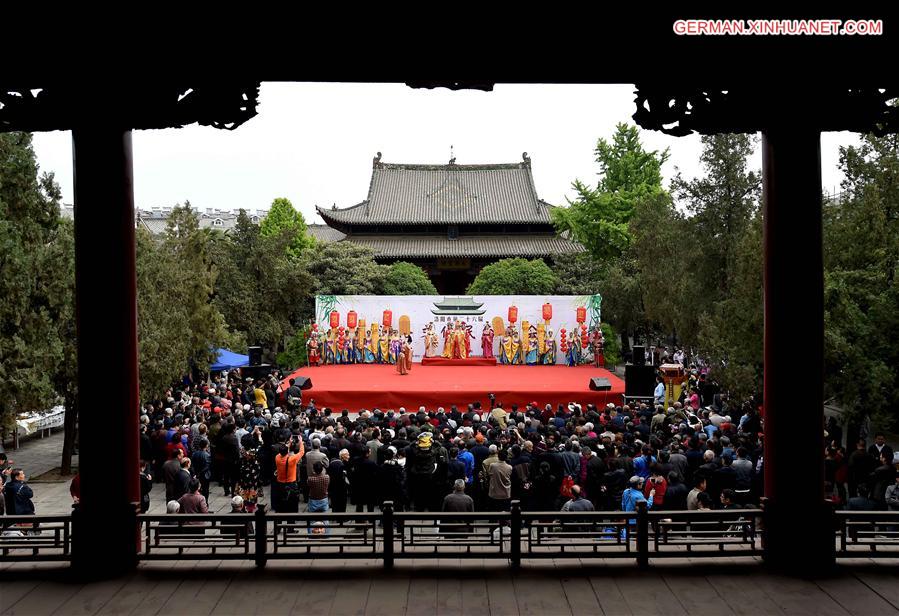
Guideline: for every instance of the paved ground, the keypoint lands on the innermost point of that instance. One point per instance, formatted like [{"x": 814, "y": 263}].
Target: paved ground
[
  {"x": 446, "y": 587},
  {"x": 38, "y": 455}
]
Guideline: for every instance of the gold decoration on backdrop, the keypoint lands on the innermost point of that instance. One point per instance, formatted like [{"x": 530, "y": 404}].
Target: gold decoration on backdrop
[{"x": 405, "y": 325}]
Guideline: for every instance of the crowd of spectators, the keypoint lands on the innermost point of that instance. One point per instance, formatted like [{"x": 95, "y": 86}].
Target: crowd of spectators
[{"x": 695, "y": 454}]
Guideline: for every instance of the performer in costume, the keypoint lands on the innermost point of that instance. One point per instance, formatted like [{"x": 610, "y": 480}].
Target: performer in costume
[
  {"x": 549, "y": 356},
  {"x": 329, "y": 346},
  {"x": 598, "y": 343},
  {"x": 585, "y": 343},
  {"x": 384, "y": 341},
  {"x": 512, "y": 346},
  {"x": 395, "y": 346},
  {"x": 312, "y": 351},
  {"x": 431, "y": 341},
  {"x": 487, "y": 341},
  {"x": 531, "y": 353},
  {"x": 502, "y": 348},
  {"x": 468, "y": 337},
  {"x": 404, "y": 361},
  {"x": 567, "y": 348},
  {"x": 407, "y": 353},
  {"x": 350, "y": 345},
  {"x": 447, "y": 333},
  {"x": 460, "y": 342},
  {"x": 373, "y": 348}
]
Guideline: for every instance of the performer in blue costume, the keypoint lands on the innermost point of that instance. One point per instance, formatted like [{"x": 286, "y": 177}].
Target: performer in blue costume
[
  {"x": 531, "y": 354},
  {"x": 549, "y": 357}
]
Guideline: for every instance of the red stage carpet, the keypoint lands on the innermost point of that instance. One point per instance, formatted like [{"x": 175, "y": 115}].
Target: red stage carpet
[
  {"x": 367, "y": 386},
  {"x": 471, "y": 361}
]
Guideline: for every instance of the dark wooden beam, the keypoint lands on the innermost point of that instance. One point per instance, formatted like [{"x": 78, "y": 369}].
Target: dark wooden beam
[
  {"x": 105, "y": 535},
  {"x": 799, "y": 537}
]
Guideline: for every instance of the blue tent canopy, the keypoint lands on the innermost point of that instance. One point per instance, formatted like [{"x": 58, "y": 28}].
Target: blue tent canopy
[{"x": 227, "y": 360}]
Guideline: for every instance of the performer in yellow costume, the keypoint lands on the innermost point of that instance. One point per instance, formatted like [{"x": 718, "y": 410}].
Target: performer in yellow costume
[
  {"x": 375, "y": 347},
  {"x": 459, "y": 340},
  {"x": 384, "y": 342},
  {"x": 512, "y": 346}
]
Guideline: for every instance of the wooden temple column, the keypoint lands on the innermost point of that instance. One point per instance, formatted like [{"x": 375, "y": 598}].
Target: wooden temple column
[
  {"x": 105, "y": 536},
  {"x": 799, "y": 535}
]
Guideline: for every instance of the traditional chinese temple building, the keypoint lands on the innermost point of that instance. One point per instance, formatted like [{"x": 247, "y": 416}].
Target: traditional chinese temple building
[{"x": 451, "y": 220}]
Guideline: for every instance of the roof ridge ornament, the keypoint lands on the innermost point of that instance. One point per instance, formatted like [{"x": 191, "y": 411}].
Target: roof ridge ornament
[
  {"x": 376, "y": 161},
  {"x": 526, "y": 159}
]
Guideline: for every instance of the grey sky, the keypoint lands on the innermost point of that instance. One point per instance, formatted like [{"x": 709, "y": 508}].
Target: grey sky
[{"x": 313, "y": 143}]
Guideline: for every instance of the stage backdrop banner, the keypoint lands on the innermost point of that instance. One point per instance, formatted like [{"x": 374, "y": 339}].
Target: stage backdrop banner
[{"x": 475, "y": 311}]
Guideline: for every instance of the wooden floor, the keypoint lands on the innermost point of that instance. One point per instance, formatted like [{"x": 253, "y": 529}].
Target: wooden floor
[{"x": 450, "y": 587}]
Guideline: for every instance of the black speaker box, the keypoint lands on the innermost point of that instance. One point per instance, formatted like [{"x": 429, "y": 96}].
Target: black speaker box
[
  {"x": 600, "y": 384},
  {"x": 255, "y": 353},
  {"x": 639, "y": 355},
  {"x": 639, "y": 380}
]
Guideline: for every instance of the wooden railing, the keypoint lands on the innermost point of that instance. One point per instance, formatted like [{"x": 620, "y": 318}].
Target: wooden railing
[{"x": 509, "y": 535}]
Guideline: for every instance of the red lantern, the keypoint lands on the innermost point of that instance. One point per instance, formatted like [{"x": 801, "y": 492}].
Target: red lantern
[
  {"x": 351, "y": 319},
  {"x": 335, "y": 318},
  {"x": 581, "y": 314},
  {"x": 513, "y": 314},
  {"x": 388, "y": 318},
  {"x": 547, "y": 312}
]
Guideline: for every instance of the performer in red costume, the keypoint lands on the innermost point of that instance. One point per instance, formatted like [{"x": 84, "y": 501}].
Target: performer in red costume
[{"x": 487, "y": 341}]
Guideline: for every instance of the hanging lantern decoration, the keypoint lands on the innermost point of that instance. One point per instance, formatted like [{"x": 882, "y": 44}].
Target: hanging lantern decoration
[
  {"x": 547, "y": 311},
  {"x": 388, "y": 318},
  {"x": 581, "y": 314},
  {"x": 513, "y": 314},
  {"x": 335, "y": 318},
  {"x": 351, "y": 319}
]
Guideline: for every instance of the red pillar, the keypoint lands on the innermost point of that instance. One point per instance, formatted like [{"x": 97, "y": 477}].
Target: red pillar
[
  {"x": 105, "y": 536},
  {"x": 799, "y": 537}
]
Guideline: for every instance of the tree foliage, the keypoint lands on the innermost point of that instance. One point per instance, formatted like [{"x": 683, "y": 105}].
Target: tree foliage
[
  {"x": 407, "y": 279},
  {"x": 598, "y": 218},
  {"x": 513, "y": 277},
  {"x": 30, "y": 345},
  {"x": 262, "y": 290},
  {"x": 340, "y": 268},
  {"x": 861, "y": 299},
  {"x": 281, "y": 218}
]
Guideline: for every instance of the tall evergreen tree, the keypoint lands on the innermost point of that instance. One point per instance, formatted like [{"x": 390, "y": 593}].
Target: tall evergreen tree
[
  {"x": 30, "y": 346},
  {"x": 282, "y": 216}
]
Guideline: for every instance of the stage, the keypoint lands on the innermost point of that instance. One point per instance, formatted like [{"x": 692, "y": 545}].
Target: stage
[{"x": 366, "y": 386}]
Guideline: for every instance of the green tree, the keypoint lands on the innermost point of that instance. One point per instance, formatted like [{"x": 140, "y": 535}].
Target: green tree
[
  {"x": 261, "y": 271},
  {"x": 721, "y": 202},
  {"x": 283, "y": 217},
  {"x": 861, "y": 299},
  {"x": 190, "y": 247},
  {"x": 295, "y": 353},
  {"x": 165, "y": 342},
  {"x": 407, "y": 279},
  {"x": 342, "y": 268},
  {"x": 30, "y": 346},
  {"x": 598, "y": 218},
  {"x": 59, "y": 273},
  {"x": 514, "y": 277}
]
